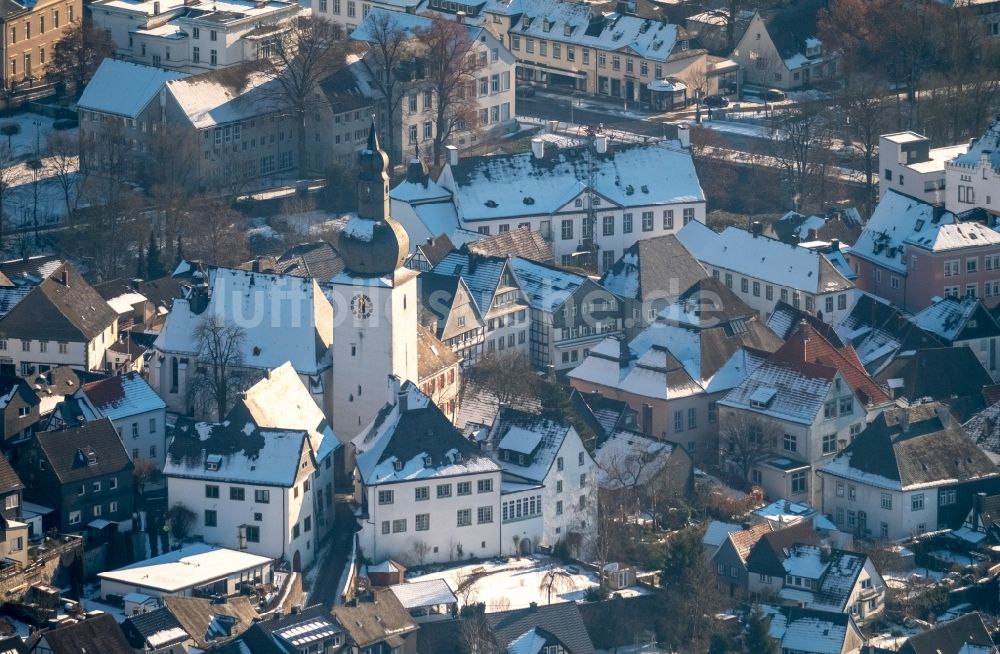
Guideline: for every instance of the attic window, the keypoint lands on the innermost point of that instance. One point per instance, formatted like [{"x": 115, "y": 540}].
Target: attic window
[
  {"x": 428, "y": 461},
  {"x": 458, "y": 457},
  {"x": 762, "y": 398},
  {"x": 645, "y": 189},
  {"x": 397, "y": 465},
  {"x": 491, "y": 204},
  {"x": 91, "y": 458},
  {"x": 547, "y": 25},
  {"x": 920, "y": 225},
  {"x": 529, "y": 200},
  {"x": 568, "y": 30},
  {"x": 213, "y": 461},
  {"x": 256, "y": 351}
]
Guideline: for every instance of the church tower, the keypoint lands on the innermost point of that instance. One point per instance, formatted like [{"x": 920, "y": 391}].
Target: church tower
[{"x": 375, "y": 303}]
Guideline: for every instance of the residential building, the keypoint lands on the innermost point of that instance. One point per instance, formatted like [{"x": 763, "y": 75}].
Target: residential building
[
  {"x": 155, "y": 631},
  {"x": 909, "y": 165},
  {"x": 96, "y": 633},
  {"x": 83, "y": 474},
  {"x": 192, "y": 37},
  {"x": 879, "y": 332},
  {"x": 911, "y": 252},
  {"x": 780, "y": 48},
  {"x": 196, "y": 570},
  {"x": 763, "y": 271},
  {"x": 282, "y": 318},
  {"x": 816, "y": 632},
  {"x": 630, "y": 465},
  {"x": 415, "y": 120},
  {"x": 704, "y": 344},
  {"x": 950, "y": 375},
  {"x": 552, "y": 628},
  {"x": 649, "y": 275},
  {"x": 20, "y": 407},
  {"x": 30, "y": 34},
  {"x": 549, "y": 484},
  {"x": 802, "y": 406},
  {"x": 137, "y": 413},
  {"x": 11, "y": 490},
  {"x": 967, "y": 633},
  {"x": 424, "y": 490},
  {"x": 61, "y": 322},
  {"x": 439, "y": 372},
  {"x": 765, "y": 559},
  {"x": 570, "y": 195},
  {"x": 715, "y": 535},
  {"x": 311, "y": 628},
  {"x": 218, "y": 471},
  {"x": 972, "y": 179},
  {"x": 964, "y": 321},
  {"x": 910, "y": 471},
  {"x": 816, "y": 577},
  {"x": 522, "y": 243},
  {"x": 206, "y": 623},
  {"x": 378, "y": 622},
  {"x": 730, "y": 559}
]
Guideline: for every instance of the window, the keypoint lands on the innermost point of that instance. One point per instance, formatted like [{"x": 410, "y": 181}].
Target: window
[
  {"x": 688, "y": 215},
  {"x": 422, "y": 522},
  {"x": 212, "y": 491},
  {"x": 113, "y": 483},
  {"x": 799, "y": 483},
  {"x": 609, "y": 225},
  {"x": 791, "y": 443},
  {"x": 26, "y": 346},
  {"x": 887, "y": 501},
  {"x": 830, "y": 445},
  {"x": 668, "y": 219},
  {"x": 852, "y": 493},
  {"x": 443, "y": 490},
  {"x": 729, "y": 280},
  {"x": 74, "y": 517},
  {"x": 211, "y": 518},
  {"x": 559, "y": 507},
  {"x": 464, "y": 517},
  {"x": 196, "y": 33},
  {"x": 214, "y": 57},
  {"x": 422, "y": 493},
  {"x": 917, "y": 502},
  {"x": 567, "y": 229},
  {"x": 399, "y": 526},
  {"x": 583, "y": 480},
  {"x": 262, "y": 496},
  {"x": 840, "y": 489},
  {"x": 464, "y": 488},
  {"x": 678, "y": 421},
  {"x": 647, "y": 221},
  {"x": 484, "y": 515},
  {"x": 386, "y": 527},
  {"x": 744, "y": 285},
  {"x": 830, "y": 410},
  {"x": 951, "y": 268},
  {"x": 484, "y": 486},
  {"x": 385, "y": 497},
  {"x": 721, "y": 569},
  {"x": 559, "y": 464},
  {"x": 946, "y": 497},
  {"x": 237, "y": 493},
  {"x": 692, "y": 418},
  {"x": 627, "y": 223},
  {"x": 196, "y": 55}
]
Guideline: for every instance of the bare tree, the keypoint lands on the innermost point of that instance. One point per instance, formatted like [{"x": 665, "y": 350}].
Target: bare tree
[
  {"x": 76, "y": 56},
  {"x": 302, "y": 56},
  {"x": 391, "y": 56},
  {"x": 555, "y": 579},
  {"x": 219, "y": 376},
  {"x": 506, "y": 377},
  {"x": 216, "y": 231},
  {"x": 62, "y": 151},
  {"x": 746, "y": 440},
  {"x": 866, "y": 110},
  {"x": 799, "y": 138},
  {"x": 420, "y": 551},
  {"x": 8, "y": 177},
  {"x": 451, "y": 64},
  {"x": 475, "y": 633}
]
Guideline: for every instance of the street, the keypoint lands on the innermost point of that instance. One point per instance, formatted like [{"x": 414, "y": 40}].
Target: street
[{"x": 334, "y": 555}]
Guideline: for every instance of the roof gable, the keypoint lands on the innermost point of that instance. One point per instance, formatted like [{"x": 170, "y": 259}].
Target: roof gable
[{"x": 92, "y": 449}]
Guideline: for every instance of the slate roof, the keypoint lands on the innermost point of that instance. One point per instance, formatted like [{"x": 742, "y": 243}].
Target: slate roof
[
  {"x": 878, "y": 331},
  {"x": 808, "y": 630},
  {"x": 67, "y": 451},
  {"x": 785, "y": 318},
  {"x": 928, "y": 453},
  {"x": 63, "y": 307},
  {"x": 197, "y": 617},
  {"x": 951, "y": 637},
  {"x": 409, "y": 436},
  {"x": 792, "y": 25},
  {"x": 11, "y": 385},
  {"x": 433, "y": 356},
  {"x": 941, "y": 373},
  {"x": 99, "y": 633},
  {"x": 368, "y": 623},
  {"x": 984, "y": 428},
  {"x": 768, "y": 553},
  {"x": 482, "y": 275},
  {"x": 263, "y": 637},
  {"x": 836, "y": 573},
  {"x": 121, "y": 396},
  {"x": 9, "y": 481},
  {"x": 958, "y": 319},
  {"x": 318, "y": 260},
  {"x": 899, "y": 221},
  {"x": 562, "y": 620},
  {"x": 525, "y": 243},
  {"x": 653, "y": 266},
  {"x": 160, "y": 625},
  {"x": 13, "y": 644},
  {"x": 544, "y": 438}
]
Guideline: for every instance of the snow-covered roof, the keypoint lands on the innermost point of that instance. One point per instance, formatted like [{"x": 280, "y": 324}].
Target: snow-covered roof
[
  {"x": 191, "y": 566},
  {"x": 551, "y": 436},
  {"x": 482, "y": 275},
  {"x": 545, "y": 287},
  {"x": 409, "y": 24},
  {"x": 124, "y": 88},
  {"x": 416, "y": 594},
  {"x": 411, "y": 440},
  {"x": 718, "y": 532},
  {"x": 987, "y": 146},
  {"x": 630, "y": 460},
  {"x": 283, "y": 318},
  {"x": 281, "y": 401},
  {"x": 628, "y": 175},
  {"x": 208, "y": 100},
  {"x": 899, "y": 221},
  {"x": 949, "y": 317},
  {"x": 814, "y": 634},
  {"x": 122, "y": 396},
  {"x": 124, "y": 303},
  {"x": 520, "y": 440},
  {"x": 762, "y": 258},
  {"x": 797, "y": 396}
]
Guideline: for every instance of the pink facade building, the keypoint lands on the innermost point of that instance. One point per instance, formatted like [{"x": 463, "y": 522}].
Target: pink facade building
[{"x": 911, "y": 252}]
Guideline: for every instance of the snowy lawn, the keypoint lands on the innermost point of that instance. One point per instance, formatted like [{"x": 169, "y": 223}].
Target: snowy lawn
[
  {"x": 35, "y": 128},
  {"x": 518, "y": 583}
]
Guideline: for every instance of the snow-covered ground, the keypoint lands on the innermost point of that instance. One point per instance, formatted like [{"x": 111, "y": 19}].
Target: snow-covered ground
[
  {"x": 738, "y": 127},
  {"x": 518, "y": 583},
  {"x": 35, "y": 129}
]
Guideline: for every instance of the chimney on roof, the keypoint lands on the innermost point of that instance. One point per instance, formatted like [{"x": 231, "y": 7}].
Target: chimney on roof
[
  {"x": 756, "y": 228},
  {"x": 452, "y": 155},
  {"x": 64, "y": 277},
  {"x": 684, "y": 135},
  {"x": 533, "y": 607},
  {"x": 403, "y": 401},
  {"x": 601, "y": 143},
  {"x": 537, "y": 148},
  {"x": 937, "y": 212},
  {"x": 904, "y": 420},
  {"x": 156, "y": 8},
  {"x": 834, "y": 244},
  {"x": 803, "y": 331},
  {"x": 460, "y": 18}
]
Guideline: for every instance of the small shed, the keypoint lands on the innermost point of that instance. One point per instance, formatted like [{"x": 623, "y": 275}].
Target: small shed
[
  {"x": 427, "y": 600},
  {"x": 387, "y": 573},
  {"x": 618, "y": 576}
]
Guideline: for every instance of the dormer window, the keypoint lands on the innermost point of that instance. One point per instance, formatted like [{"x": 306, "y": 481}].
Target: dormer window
[
  {"x": 568, "y": 30},
  {"x": 397, "y": 465},
  {"x": 213, "y": 462},
  {"x": 520, "y": 459},
  {"x": 428, "y": 461}
]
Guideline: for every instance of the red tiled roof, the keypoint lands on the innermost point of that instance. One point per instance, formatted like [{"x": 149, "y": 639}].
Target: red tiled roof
[
  {"x": 807, "y": 346},
  {"x": 745, "y": 539},
  {"x": 105, "y": 392}
]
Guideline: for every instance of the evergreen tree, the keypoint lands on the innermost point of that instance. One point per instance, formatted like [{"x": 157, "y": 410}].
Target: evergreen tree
[
  {"x": 140, "y": 266},
  {"x": 154, "y": 265},
  {"x": 758, "y": 640},
  {"x": 179, "y": 256}
]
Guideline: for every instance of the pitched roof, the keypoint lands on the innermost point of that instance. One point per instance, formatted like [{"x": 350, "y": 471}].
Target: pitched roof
[
  {"x": 156, "y": 628},
  {"x": 63, "y": 307},
  {"x": 99, "y": 633},
  {"x": 121, "y": 396},
  {"x": 878, "y": 331},
  {"x": 124, "y": 88},
  {"x": 539, "y": 438},
  {"x": 768, "y": 553},
  {"x": 88, "y": 450},
  {"x": 951, "y": 637},
  {"x": 793, "y": 25},
  {"x": 525, "y": 243},
  {"x": 808, "y": 630},
  {"x": 368, "y": 623},
  {"x": 397, "y": 443},
  {"x": 224, "y": 96},
  {"x": 562, "y": 620},
  {"x": 433, "y": 356},
  {"x": 200, "y": 618},
  {"x": 482, "y": 275},
  {"x": 785, "y": 319},
  {"x": 13, "y": 645},
  {"x": 628, "y": 459},
  {"x": 958, "y": 319},
  {"x": 9, "y": 481},
  {"x": 941, "y": 373},
  {"x": 653, "y": 266},
  {"x": 277, "y": 635},
  {"x": 11, "y": 385},
  {"x": 899, "y": 221},
  {"x": 319, "y": 260},
  {"x": 744, "y": 539},
  {"x": 926, "y": 452}
]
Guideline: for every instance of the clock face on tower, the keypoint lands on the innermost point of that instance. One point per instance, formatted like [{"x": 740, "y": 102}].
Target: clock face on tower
[{"x": 361, "y": 306}]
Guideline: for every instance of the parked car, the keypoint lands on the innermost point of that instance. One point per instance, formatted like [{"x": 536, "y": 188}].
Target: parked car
[
  {"x": 774, "y": 95},
  {"x": 526, "y": 91},
  {"x": 716, "y": 101}
]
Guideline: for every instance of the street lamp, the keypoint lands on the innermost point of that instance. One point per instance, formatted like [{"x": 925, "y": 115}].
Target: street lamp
[{"x": 38, "y": 135}]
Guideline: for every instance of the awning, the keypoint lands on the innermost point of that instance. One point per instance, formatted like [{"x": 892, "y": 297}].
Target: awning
[
  {"x": 552, "y": 71},
  {"x": 100, "y": 523},
  {"x": 666, "y": 86}
]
